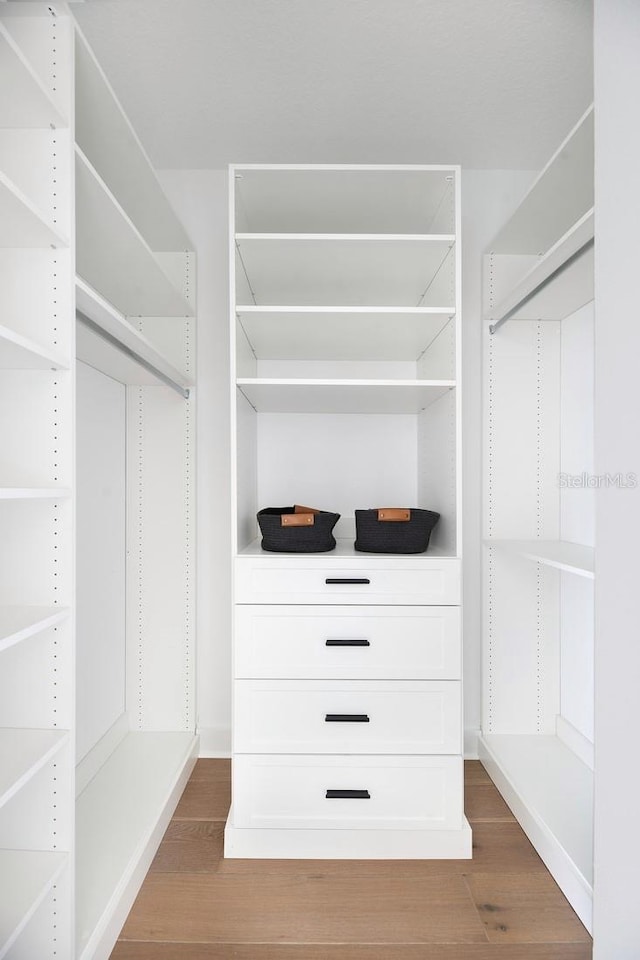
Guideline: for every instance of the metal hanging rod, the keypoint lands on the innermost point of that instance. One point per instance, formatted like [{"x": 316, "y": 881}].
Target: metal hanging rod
[
  {"x": 128, "y": 352},
  {"x": 541, "y": 286}
]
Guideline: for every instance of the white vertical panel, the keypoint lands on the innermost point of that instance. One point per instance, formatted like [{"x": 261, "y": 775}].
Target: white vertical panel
[
  {"x": 246, "y": 470},
  {"x": 101, "y": 554},
  {"x": 577, "y": 673},
  {"x": 437, "y": 449}
]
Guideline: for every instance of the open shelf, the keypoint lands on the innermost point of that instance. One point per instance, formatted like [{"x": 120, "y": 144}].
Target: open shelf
[
  {"x": 330, "y": 199},
  {"x": 570, "y": 557},
  {"x": 30, "y": 874},
  {"x": 344, "y": 548},
  {"x": 120, "y": 818},
  {"x": 341, "y": 333},
  {"x": 29, "y": 103},
  {"x": 34, "y": 493},
  {"x": 23, "y": 753},
  {"x": 354, "y": 270},
  {"x": 342, "y": 396},
  {"x": 20, "y": 623},
  {"x": 114, "y": 258},
  {"x": 21, "y": 353},
  {"x": 102, "y": 354},
  {"x": 21, "y": 223},
  {"x": 113, "y": 148},
  {"x": 550, "y": 790}
]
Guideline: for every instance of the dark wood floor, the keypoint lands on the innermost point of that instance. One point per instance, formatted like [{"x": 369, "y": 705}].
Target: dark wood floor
[{"x": 194, "y": 905}]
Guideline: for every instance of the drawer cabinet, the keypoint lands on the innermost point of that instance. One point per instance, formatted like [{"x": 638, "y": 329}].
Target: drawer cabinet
[
  {"x": 355, "y": 716},
  {"x": 347, "y": 642}
]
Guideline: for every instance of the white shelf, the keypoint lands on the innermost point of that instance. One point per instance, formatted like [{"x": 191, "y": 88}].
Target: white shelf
[
  {"x": 570, "y": 557},
  {"x": 28, "y": 103},
  {"x": 564, "y": 295},
  {"x": 114, "y": 258},
  {"x": 113, "y": 148},
  {"x": 20, "y": 623},
  {"x": 21, "y": 353},
  {"x": 30, "y": 874},
  {"x": 120, "y": 818},
  {"x": 34, "y": 493},
  {"x": 103, "y": 355},
  {"x": 23, "y": 753},
  {"x": 344, "y": 549},
  {"x": 332, "y": 199},
  {"x": 551, "y": 792},
  {"x": 21, "y": 223},
  {"x": 341, "y": 333},
  {"x": 353, "y": 270},
  {"x": 342, "y": 396}
]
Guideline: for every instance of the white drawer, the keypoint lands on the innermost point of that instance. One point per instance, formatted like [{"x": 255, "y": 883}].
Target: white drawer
[
  {"x": 352, "y": 716},
  {"x": 393, "y": 792},
  {"x": 288, "y": 579},
  {"x": 368, "y": 643}
]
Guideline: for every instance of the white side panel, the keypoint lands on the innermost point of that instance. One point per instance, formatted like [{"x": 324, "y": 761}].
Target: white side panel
[
  {"x": 31, "y": 401},
  {"x": 101, "y": 552},
  {"x": 247, "y": 471},
  {"x": 437, "y": 468},
  {"x": 35, "y": 299},
  {"x": 35, "y": 685},
  {"x": 576, "y": 663}
]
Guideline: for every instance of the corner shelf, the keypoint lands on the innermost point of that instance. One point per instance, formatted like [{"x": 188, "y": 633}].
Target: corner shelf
[
  {"x": 114, "y": 258},
  {"x": 30, "y": 104},
  {"x": 341, "y": 333},
  {"x": 21, "y": 223},
  {"x": 22, "y": 753},
  {"x": 570, "y": 557},
  {"x": 21, "y": 353},
  {"x": 20, "y": 623},
  {"x": 32, "y": 873},
  {"x": 342, "y": 396}
]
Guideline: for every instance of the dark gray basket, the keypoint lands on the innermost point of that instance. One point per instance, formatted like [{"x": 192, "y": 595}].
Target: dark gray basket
[
  {"x": 382, "y": 531},
  {"x": 313, "y": 537}
]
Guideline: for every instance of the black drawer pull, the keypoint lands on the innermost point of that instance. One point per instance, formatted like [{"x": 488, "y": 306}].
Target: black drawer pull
[
  {"x": 347, "y": 795},
  {"x": 346, "y": 642},
  {"x": 347, "y": 580},
  {"x": 346, "y": 718}
]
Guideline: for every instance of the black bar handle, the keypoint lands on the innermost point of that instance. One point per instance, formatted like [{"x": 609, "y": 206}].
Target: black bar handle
[
  {"x": 346, "y": 718},
  {"x": 346, "y": 642},
  {"x": 332, "y": 580},
  {"x": 347, "y": 795}
]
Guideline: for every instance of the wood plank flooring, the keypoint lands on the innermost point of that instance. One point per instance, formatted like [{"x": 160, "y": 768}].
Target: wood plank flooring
[{"x": 194, "y": 905}]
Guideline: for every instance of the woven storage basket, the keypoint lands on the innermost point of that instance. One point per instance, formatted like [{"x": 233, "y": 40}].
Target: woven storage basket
[
  {"x": 394, "y": 530},
  {"x": 297, "y": 529}
]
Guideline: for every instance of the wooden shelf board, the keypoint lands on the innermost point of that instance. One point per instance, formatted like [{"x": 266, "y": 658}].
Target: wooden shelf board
[
  {"x": 550, "y": 790},
  {"x": 114, "y": 258},
  {"x": 343, "y": 199},
  {"x": 341, "y": 333},
  {"x": 114, "y": 149},
  {"x": 30, "y": 875},
  {"x": 570, "y": 557},
  {"x": 357, "y": 270},
  {"x": 104, "y": 356},
  {"x": 21, "y": 223},
  {"x": 29, "y": 103},
  {"x": 34, "y": 493},
  {"x": 23, "y": 753},
  {"x": 21, "y": 353},
  {"x": 342, "y": 396},
  {"x": 120, "y": 818},
  {"x": 564, "y": 295},
  {"x": 344, "y": 549},
  {"x": 20, "y": 623}
]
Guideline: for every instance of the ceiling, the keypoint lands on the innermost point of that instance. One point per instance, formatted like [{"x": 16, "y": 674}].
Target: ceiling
[{"x": 485, "y": 83}]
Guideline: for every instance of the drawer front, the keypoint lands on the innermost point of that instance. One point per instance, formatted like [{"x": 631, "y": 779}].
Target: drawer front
[
  {"x": 314, "y": 716},
  {"x": 307, "y": 580},
  {"x": 385, "y": 643},
  {"x": 348, "y": 792}
]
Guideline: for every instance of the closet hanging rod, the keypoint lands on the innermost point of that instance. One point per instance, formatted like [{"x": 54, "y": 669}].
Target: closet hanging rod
[
  {"x": 128, "y": 352},
  {"x": 496, "y": 324}
]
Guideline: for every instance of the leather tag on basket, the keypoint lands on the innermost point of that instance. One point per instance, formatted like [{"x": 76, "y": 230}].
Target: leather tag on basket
[
  {"x": 297, "y": 519},
  {"x": 394, "y": 514}
]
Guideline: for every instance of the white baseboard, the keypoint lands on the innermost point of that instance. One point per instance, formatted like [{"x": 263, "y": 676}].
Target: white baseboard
[{"x": 215, "y": 742}]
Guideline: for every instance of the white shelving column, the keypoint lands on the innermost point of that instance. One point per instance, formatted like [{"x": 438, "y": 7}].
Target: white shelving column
[{"x": 36, "y": 483}]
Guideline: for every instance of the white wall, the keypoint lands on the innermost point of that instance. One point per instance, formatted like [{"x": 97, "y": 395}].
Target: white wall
[
  {"x": 200, "y": 198},
  {"x": 617, "y": 448}
]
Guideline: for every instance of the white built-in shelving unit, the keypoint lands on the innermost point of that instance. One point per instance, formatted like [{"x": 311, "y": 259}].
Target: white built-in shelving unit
[
  {"x": 97, "y": 713},
  {"x": 539, "y": 567}
]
